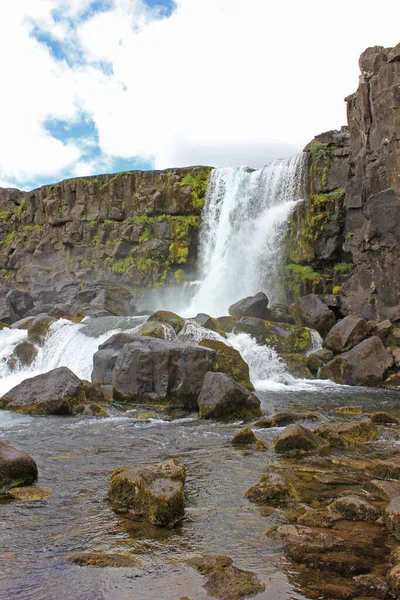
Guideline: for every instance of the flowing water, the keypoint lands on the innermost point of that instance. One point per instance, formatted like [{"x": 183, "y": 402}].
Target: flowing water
[{"x": 77, "y": 455}]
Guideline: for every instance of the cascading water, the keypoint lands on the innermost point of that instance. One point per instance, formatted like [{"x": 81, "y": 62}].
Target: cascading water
[{"x": 242, "y": 225}]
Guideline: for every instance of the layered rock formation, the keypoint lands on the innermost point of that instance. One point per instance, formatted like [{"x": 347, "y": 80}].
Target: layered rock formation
[{"x": 345, "y": 236}]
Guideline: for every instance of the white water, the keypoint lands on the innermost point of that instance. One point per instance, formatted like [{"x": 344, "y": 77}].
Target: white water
[{"x": 243, "y": 221}]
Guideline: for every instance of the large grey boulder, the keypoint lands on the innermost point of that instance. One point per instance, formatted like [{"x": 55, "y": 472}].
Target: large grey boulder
[
  {"x": 224, "y": 399},
  {"x": 7, "y": 313},
  {"x": 347, "y": 333},
  {"x": 57, "y": 392},
  {"x": 365, "y": 364},
  {"x": 310, "y": 311},
  {"x": 16, "y": 468},
  {"x": 22, "y": 302},
  {"x": 283, "y": 337},
  {"x": 146, "y": 369},
  {"x": 115, "y": 299},
  {"x": 252, "y": 306}
]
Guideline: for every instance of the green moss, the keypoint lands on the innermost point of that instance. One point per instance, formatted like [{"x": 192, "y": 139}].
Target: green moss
[
  {"x": 11, "y": 237},
  {"x": 198, "y": 183},
  {"x": 343, "y": 267},
  {"x": 178, "y": 252},
  {"x": 20, "y": 209},
  {"x": 121, "y": 266},
  {"x": 145, "y": 264},
  {"x": 4, "y": 215},
  {"x": 336, "y": 290},
  {"x": 179, "y": 275},
  {"x": 146, "y": 236},
  {"x": 96, "y": 240},
  {"x": 93, "y": 223},
  {"x": 303, "y": 272}
]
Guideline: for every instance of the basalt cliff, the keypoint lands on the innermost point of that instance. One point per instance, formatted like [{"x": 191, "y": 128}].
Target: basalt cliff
[{"x": 142, "y": 228}]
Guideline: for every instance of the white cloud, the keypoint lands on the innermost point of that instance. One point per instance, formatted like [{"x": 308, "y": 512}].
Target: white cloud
[{"x": 218, "y": 82}]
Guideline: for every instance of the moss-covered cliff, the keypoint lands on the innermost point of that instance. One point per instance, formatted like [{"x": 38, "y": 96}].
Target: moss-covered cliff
[{"x": 137, "y": 227}]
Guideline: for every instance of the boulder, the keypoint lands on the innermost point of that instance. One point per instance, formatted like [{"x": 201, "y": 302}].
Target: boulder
[
  {"x": 22, "y": 302},
  {"x": 383, "y": 490},
  {"x": 391, "y": 517},
  {"x": 365, "y": 364},
  {"x": 165, "y": 316},
  {"x": 347, "y": 333},
  {"x": 282, "y": 337},
  {"x": 154, "y": 491},
  {"x": 113, "y": 298},
  {"x": 224, "y": 399},
  {"x": 25, "y": 353},
  {"x": 226, "y": 323},
  {"x": 396, "y": 356},
  {"x": 246, "y": 438},
  {"x": 383, "y": 329},
  {"x": 206, "y": 321},
  {"x": 384, "y": 418},
  {"x": 310, "y": 311},
  {"x": 280, "y": 313},
  {"x": 58, "y": 392},
  {"x": 145, "y": 369},
  {"x": 354, "y": 508},
  {"x": 347, "y": 435},
  {"x": 317, "y": 359},
  {"x": 16, "y": 468},
  {"x": 286, "y": 418},
  {"x": 297, "y": 365},
  {"x": 393, "y": 579},
  {"x": 228, "y": 360},
  {"x": 348, "y": 410},
  {"x": 271, "y": 488},
  {"x": 39, "y": 328},
  {"x": 387, "y": 469},
  {"x": 297, "y": 438},
  {"x": 7, "y": 312},
  {"x": 252, "y": 306},
  {"x": 162, "y": 331}
]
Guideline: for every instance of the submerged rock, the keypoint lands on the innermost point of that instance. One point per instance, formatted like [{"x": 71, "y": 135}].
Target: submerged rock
[
  {"x": 311, "y": 312},
  {"x": 165, "y": 316},
  {"x": 145, "y": 369},
  {"x": 365, "y": 364},
  {"x": 387, "y": 469},
  {"x": 383, "y": 418},
  {"x": 284, "y": 338},
  {"x": 224, "y": 399},
  {"x": 383, "y": 490},
  {"x": 154, "y": 491},
  {"x": 224, "y": 580},
  {"x": 228, "y": 360},
  {"x": 391, "y": 516},
  {"x": 346, "y": 435},
  {"x": 297, "y": 365},
  {"x": 39, "y": 328},
  {"x": 286, "y": 418},
  {"x": 354, "y": 508},
  {"x": 102, "y": 559},
  {"x": 25, "y": 353},
  {"x": 252, "y": 306},
  {"x": 318, "y": 358},
  {"x": 16, "y": 468},
  {"x": 348, "y": 410},
  {"x": 271, "y": 488},
  {"x": 246, "y": 437},
  {"x": 297, "y": 438},
  {"x": 58, "y": 392}
]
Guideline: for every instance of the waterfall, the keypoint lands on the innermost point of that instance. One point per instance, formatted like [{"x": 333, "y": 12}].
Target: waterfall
[{"x": 243, "y": 223}]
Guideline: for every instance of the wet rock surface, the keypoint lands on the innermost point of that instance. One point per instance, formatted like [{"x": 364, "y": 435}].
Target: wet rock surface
[
  {"x": 222, "y": 398},
  {"x": 16, "y": 468}
]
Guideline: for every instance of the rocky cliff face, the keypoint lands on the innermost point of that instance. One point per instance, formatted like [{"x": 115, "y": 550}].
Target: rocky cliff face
[
  {"x": 345, "y": 236},
  {"x": 138, "y": 227}
]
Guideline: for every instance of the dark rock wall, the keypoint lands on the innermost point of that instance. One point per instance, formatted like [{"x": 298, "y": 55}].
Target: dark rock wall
[
  {"x": 345, "y": 236},
  {"x": 138, "y": 227}
]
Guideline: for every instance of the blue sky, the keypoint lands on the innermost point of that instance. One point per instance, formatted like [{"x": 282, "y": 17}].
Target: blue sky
[{"x": 94, "y": 86}]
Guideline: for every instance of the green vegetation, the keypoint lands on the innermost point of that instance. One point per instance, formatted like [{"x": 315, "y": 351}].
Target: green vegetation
[
  {"x": 198, "y": 184},
  {"x": 96, "y": 240},
  {"x": 336, "y": 290},
  {"x": 4, "y": 215},
  {"x": 304, "y": 272},
  {"x": 179, "y": 275},
  {"x": 146, "y": 236},
  {"x": 11, "y": 238},
  {"x": 343, "y": 267},
  {"x": 18, "y": 210},
  {"x": 145, "y": 264},
  {"x": 178, "y": 252},
  {"x": 93, "y": 223},
  {"x": 120, "y": 266}
]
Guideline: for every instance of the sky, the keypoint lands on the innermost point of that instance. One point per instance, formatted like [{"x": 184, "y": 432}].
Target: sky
[{"x": 97, "y": 86}]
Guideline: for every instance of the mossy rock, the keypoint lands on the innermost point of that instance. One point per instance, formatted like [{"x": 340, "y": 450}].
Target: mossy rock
[
  {"x": 246, "y": 438},
  {"x": 102, "y": 559},
  {"x": 25, "y": 353},
  {"x": 271, "y": 489},
  {"x": 296, "y": 438},
  {"x": 95, "y": 410},
  {"x": 347, "y": 435},
  {"x": 29, "y": 494},
  {"x": 286, "y": 418},
  {"x": 226, "y": 323},
  {"x": 284, "y": 338},
  {"x": 297, "y": 365},
  {"x": 165, "y": 316},
  {"x": 161, "y": 331},
  {"x": 4, "y": 326},
  {"x": 348, "y": 410},
  {"x": 228, "y": 360},
  {"x": 39, "y": 328}
]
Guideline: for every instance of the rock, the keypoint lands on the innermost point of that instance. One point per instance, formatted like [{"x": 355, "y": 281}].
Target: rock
[
  {"x": 383, "y": 490},
  {"x": 226, "y": 323},
  {"x": 22, "y": 302},
  {"x": 383, "y": 418},
  {"x": 16, "y": 468},
  {"x": 365, "y": 364},
  {"x": 298, "y": 438},
  {"x": 393, "y": 579},
  {"x": 347, "y": 435},
  {"x": 347, "y": 333},
  {"x": 354, "y": 508},
  {"x": 145, "y": 369},
  {"x": 319, "y": 518},
  {"x": 318, "y": 358},
  {"x": 39, "y": 328},
  {"x": 371, "y": 587},
  {"x": 393, "y": 381},
  {"x": 58, "y": 392},
  {"x": 300, "y": 541},
  {"x": 297, "y": 365},
  {"x": 162, "y": 331},
  {"x": 387, "y": 469},
  {"x": 228, "y": 360},
  {"x": 246, "y": 437},
  {"x": 224, "y": 399},
  {"x": 281, "y": 336},
  {"x": 225, "y": 581},
  {"x": 155, "y": 491},
  {"x": 348, "y": 410},
  {"x": 391, "y": 516},
  {"x": 164, "y": 316},
  {"x": 113, "y": 298},
  {"x": 101, "y": 559},
  {"x": 25, "y": 353},
  {"x": 310, "y": 311},
  {"x": 272, "y": 488},
  {"x": 29, "y": 494},
  {"x": 396, "y": 356},
  {"x": 7, "y": 313},
  {"x": 286, "y": 418},
  {"x": 252, "y": 306},
  {"x": 206, "y": 321},
  {"x": 383, "y": 329},
  {"x": 280, "y": 313}
]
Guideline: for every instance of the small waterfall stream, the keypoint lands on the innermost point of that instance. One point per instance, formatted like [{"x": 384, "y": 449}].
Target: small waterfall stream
[{"x": 243, "y": 223}]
